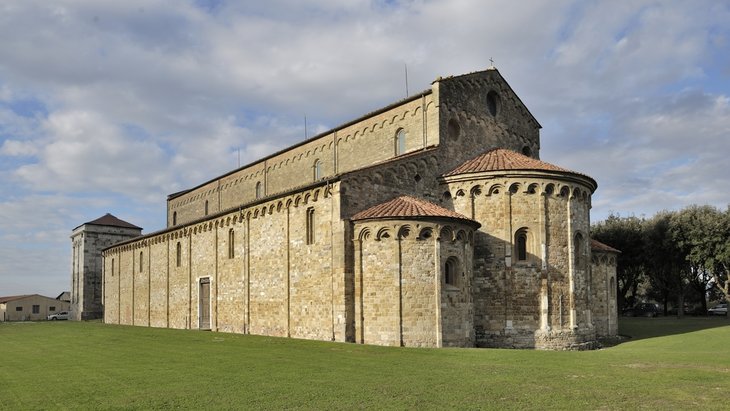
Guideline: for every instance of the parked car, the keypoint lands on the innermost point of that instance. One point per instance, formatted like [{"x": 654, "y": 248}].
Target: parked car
[
  {"x": 720, "y": 309},
  {"x": 61, "y": 315},
  {"x": 642, "y": 310}
]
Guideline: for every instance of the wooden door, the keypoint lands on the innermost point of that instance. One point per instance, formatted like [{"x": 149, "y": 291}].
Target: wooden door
[{"x": 204, "y": 306}]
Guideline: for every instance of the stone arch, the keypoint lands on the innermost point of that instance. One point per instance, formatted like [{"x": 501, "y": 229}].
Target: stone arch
[
  {"x": 514, "y": 188},
  {"x": 532, "y": 188},
  {"x": 383, "y": 233},
  {"x": 475, "y": 191},
  {"x": 425, "y": 233},
  {"x": 446, "y": 234},
  {"x": 495, "y": 189},
  {"x": 404, "y": 231},
  {"x": 315, "y": 195},
  {"x": 364, "y": 234},
  {"x": 564, "y": 191},
  {"x": 461, "y": 235},
  {"x": 549, "y": 189}
]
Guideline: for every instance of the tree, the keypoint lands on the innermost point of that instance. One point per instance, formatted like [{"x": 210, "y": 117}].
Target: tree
[{"x": 624, "y": 234}]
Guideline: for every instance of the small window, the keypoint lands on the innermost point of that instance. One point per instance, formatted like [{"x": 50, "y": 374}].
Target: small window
[
  {"x": 36, "y": 309},
  {"x": 231, "y": 248},
  {"x": 141, "y": 259},
  {"x": 52, "y": 308},
  {"x": 206, "y": 207},
  {"x": 178, "y": 254},
  {"x": 112, "y": 267},
  {"x": 259, "y": 191},
  {"x": 400, "y": 142},
  {"x": 174, "y": 218},
  {"x": 521, "y": 244},
  {"x": 493, "y": 103},
  {"x": 451, "y": 271},
  {"x": 317, "y": 170},
  {"x": 578, "y": 249},
  {"x": 20, "y": 308},
  {"x": 310, "y": 225},
  {"x": 526, "y": 150}
]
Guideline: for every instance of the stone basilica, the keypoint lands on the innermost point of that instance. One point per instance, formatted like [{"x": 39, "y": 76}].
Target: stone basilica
[{"x": 431, "y": 222}]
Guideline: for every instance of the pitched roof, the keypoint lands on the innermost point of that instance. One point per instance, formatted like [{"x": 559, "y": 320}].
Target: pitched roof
[
  {"x": 4, "y": 300},
  {"x": 409, "y": 207},
  {"x": 599, "y": 246},
  {"x": 501, "y": 159},
  {"x": 110, "y": 220}
]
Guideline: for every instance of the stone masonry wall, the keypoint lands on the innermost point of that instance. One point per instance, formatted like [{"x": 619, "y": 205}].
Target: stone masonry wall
[
  {"x": 514, "y": 298},
  {"x": 364, "y": 142},
  {"x": 88, "y": 241},
  {"x": 267, "y": 276}
]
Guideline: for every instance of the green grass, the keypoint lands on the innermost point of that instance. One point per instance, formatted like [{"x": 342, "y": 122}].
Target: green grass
[{"x": 667, "y": 364}]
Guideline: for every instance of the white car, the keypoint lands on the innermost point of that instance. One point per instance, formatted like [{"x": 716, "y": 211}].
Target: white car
[
  {"x": 720, "y": 309},
  {"x": 61, "y": 315}
]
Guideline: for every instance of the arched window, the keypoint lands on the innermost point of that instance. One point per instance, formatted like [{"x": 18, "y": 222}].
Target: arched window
[
  {"x": 258, "y": 190},
  {"x": 526, "y": 150},
  {"x": 612, "y": 286},
  {"x": 451, "y": 269},
  {"x": 317, "y": 170},
  {"x": 400, "y": 142},
  {"x": 141, "y": 259},
  {"x": 174, "y": 218},
  {"x": 310, "y": 225},
  {"x": 206, "y": 207},
  {"x": 578, "y": 250},
  {"x": 231, "y": 243},
  {"x": 493, "y": 103},
  {"x": 521, "y": 244},
  {"x": 178, "y": 254}
]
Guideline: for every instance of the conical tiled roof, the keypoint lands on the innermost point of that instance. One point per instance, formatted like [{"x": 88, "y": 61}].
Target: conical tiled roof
[
  {"x": 501, "y": 159},
  {"x": 599, "y": 246},
  {"x": 110, "y": 220},
  {"x": 408, "y": 207}
]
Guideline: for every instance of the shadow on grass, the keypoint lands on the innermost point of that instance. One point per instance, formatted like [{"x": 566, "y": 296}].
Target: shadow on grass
[{"x": 639, "y": 328}]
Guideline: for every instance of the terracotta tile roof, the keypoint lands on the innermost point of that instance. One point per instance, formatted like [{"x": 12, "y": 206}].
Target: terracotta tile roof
[
  {"x": 501, "y": 159},
  {"x": 599, "y": 246},
  {"x": 4, "y": 300},
  {"x": 110, "y": 220},
  {"x": 408, "y": 207}
]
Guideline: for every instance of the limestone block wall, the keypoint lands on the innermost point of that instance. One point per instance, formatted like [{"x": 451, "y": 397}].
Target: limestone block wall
[
  {"x": 401, "y": 297},
  {"x": 271, "y": 271},
  {"x": 526, "y": 301},
  {"x": 361, "y": 143},
  {"x": 467, "y": 127},
  {"x": 603, "y": 285},
  {"x": 88, "y": 241}
]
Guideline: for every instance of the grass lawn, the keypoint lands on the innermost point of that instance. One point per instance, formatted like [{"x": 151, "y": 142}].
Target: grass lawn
[{"x": 668, "y": 364}]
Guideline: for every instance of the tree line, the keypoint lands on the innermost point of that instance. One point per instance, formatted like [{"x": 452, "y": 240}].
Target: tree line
[{"x": 679, "y": 259}]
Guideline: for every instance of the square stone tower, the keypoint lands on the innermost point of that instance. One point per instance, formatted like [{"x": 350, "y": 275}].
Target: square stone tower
[{"x": 88, "y": 240}]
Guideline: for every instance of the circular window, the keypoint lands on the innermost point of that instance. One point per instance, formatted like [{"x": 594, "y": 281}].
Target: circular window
[{"x": 493, "y": 102}]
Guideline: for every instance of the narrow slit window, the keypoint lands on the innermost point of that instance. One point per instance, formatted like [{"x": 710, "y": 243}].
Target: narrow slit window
[
  {"x": 317, "y": 170},
  {"x": 178, "y": 254},
  {"x": 231, "y": 244},
  {"x": 141, "y": 259},
  {"x": 310, "y": 225}
]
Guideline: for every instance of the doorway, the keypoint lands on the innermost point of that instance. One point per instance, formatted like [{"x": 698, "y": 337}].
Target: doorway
[{"x": 204, "y": 304}]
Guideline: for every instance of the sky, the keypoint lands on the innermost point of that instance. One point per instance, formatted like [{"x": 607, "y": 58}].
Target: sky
[{"x": 109, "y": 106}]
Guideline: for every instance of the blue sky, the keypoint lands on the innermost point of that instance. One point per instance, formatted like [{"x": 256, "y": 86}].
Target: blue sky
[{"x": 110, "y": 106}]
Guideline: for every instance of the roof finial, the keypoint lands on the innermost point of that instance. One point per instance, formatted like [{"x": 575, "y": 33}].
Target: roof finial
[{"x": 491, "y": 64}]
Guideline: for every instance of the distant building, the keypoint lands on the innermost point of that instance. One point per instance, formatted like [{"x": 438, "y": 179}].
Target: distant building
[
  {"x": 431, "y": 222},
  {"x": 88, "y": 240},
  {"x": 64, "y": 296},
  {"x": 29, "y": 307}
]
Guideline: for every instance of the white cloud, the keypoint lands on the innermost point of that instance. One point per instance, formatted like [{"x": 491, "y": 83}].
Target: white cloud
[{"x": 146, "y": 97}]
